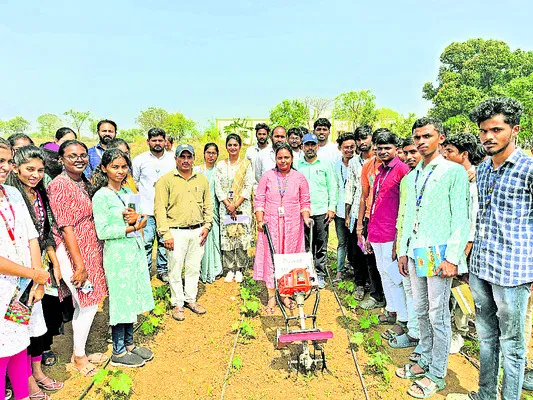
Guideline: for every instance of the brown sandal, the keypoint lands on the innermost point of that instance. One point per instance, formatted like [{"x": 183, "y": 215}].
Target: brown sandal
[
  {"x": 88, "y": 369},
  {"x": 97, "y": 358},
  {"x": 40, "y": 395}
]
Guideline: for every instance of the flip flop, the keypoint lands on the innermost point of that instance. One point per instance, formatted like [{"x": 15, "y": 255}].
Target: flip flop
[
  {"x": 389, "y": 319},
  {"x": 402, "y": 342},
  {"x": 407, "y": 373},
  {"x": 97, "y": 358}
]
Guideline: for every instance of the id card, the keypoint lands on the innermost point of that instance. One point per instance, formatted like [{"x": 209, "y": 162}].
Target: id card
[
  {"x": 415, "y": 229},
  {"x": 482, "y": 230},
  {"x": 231, "y": 194},
  {"x": 281, "y": 211}
]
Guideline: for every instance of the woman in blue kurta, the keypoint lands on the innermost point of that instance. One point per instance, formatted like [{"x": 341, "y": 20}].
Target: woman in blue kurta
[
  {"x": 125, "y": 265},
  {"x": 212, "y": 260}
]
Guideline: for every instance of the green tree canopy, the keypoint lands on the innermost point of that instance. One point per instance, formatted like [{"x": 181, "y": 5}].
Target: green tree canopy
[
  {"x": 240, "y": 126},
  {"x": 152, "y": 117},
  {"x": 289, "y": 114},
  {"x": 48, "y": 125},
  {"x": 78, "y": 119},
  {"x": 16, "y": 125},
  {"x": 358, "y": 108},
  {"x": 178, "y": 126}
]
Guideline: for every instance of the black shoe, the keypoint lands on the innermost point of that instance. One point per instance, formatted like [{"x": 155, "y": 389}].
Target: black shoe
[
  {"x": 163, "y": 277},
  {"x": 143, "y": 352},
  {"x": 129, "y": 359}
]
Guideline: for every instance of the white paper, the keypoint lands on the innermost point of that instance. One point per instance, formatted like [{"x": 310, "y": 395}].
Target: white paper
[
  {"x": 285, "y": 263},
  {"x": 241, "y": 219}
]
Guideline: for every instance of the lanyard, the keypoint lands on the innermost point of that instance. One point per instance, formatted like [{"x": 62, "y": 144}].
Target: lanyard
[
  {"x": 379, "y": 183},
  {"x": 420, "y": 195},
  {"x": 10, "y": 229},
  {"x": 79, "y": 184},
  {"x": 281, "y": 189},
  {"x": 228, "y": 165},
  {"x": 492, "y": 185},
  {"x": 38, "y": 205},
  {"x": 344, "y": 178}
]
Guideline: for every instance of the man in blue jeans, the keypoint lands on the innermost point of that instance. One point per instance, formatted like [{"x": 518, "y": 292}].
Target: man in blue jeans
[{"x": 501, "y": 270}]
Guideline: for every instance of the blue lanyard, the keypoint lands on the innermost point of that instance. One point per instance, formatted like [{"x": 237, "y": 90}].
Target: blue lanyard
[
  {"x": 420, "y": 195},
  {"x": 379, "y": 183},
  {"x": 281, "y": 189}
]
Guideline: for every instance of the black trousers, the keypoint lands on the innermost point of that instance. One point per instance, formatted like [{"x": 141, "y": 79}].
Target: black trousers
[
  {"x": 358, "y": 259},
  {"x": 376, "y": 287},
  {"x": 319, "y": 247}
]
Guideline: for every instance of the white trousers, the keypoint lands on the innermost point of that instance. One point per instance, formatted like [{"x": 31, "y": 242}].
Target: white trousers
[
  {"x": 391, "y": 280},
  {"x": 412, "y": 318},
  {"x": 187, "y": 255},
  {"x": 83, "y": 317}
]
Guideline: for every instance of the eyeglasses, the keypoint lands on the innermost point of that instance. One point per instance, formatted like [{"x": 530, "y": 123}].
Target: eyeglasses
[
  {"x": 211, "y": 153},
  {"x": 74, "y": 157}
]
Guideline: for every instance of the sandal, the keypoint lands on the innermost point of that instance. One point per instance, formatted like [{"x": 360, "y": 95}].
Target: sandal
[
  {"x": 392, "y": 333},
  {"x": 402, "y": 342},
  {"x": 49, "y": 358},
  {"x": 51, "y": 386},
  {"x": 88, "y": 369},
  {"x": 97, "y": 358},
  {"x": 40, "y": 395},
  {"x": 406, "y": 373},
  {"x": 291, "y": 305},
  {"x": 416, "y": 354},
  {"x": 388, "y": 318},
  {"x": 436, "y": 385}
]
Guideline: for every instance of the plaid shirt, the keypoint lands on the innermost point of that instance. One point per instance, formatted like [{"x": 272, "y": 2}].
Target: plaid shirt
[{"x": 503, "y": 245}]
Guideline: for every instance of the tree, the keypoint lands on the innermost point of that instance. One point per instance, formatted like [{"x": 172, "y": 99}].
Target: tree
[
  {"x": 48, "y": 124},
  {"x": 386, "y": 117},
  {"x": 78, "y": 119},
  {"x": 210, "y": 133},
  {"x": 317, "y": 106},
  {"x": 240, "y": 126},
  {"x": 403, "y": 126},
  {"x": 289, "y": 114},
  {"x": 178, "y": 126},
  {"x": 358, "y": 108},
  {"x": 2, "y": 127},
  {"x": 131, "y": 135},
  {"x": 152, "y": 117},
  {"x": 16, "y": 125},
  {"x": 472, "y": 71}
]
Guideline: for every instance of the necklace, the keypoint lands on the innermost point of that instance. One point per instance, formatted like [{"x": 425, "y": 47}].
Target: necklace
[{"x": 80, "y": 184}]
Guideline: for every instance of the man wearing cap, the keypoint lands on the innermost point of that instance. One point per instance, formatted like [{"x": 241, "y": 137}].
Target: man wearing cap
[
  {"x": 184, "y": 213},
  {"x": 323, "y": 188}
]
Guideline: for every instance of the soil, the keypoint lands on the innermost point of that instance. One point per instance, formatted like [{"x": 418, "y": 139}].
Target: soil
[{"x": 191, "y": 358}]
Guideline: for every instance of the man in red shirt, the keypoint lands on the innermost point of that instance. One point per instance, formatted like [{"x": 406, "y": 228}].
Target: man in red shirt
[{"x": 382, "y": 226}]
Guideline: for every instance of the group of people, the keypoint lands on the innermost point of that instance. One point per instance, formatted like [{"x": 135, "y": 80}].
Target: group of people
[{"x": 413, "y": 218}]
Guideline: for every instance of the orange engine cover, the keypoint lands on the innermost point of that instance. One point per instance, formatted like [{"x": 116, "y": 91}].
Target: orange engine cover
[{"x": 298, "y": 280}]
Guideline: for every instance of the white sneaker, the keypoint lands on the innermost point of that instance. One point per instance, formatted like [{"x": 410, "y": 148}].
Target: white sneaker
[
  {"x": 229, "y": 276},
  {"x": 238, "y": 276},
  {"x": 456, "y": 343}
]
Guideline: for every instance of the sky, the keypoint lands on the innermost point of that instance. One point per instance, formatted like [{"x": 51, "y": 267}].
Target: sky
[{"x": 232, "y": 59}]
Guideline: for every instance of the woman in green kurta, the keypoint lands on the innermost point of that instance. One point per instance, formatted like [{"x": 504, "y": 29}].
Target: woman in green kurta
[
  {"x": 125, "y": 265},
  {"x": 212, "y": 260}
]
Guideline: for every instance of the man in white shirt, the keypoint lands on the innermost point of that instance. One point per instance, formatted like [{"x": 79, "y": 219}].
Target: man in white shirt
[
  {"x": 147, "y": 168},
  {"x": 262, "y": 131},
  {"x": 266, "y": 158},
  {"x": 327, "y": 151}
]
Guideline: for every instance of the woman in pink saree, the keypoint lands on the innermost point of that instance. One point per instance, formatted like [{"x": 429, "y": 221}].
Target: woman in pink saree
[{"x": 282, "y": 201}]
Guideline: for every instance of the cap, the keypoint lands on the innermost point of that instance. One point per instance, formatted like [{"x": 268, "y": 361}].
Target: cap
[
  {"x": 184, "y": 147},
  {"x": 309, "y": 137}
]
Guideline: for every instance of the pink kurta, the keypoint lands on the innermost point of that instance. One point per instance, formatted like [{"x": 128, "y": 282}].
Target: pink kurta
[{"x": 287, "y": 232}]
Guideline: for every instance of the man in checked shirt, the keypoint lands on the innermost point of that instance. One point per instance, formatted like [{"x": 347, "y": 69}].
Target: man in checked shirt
[{"x": 501, "y": 270}]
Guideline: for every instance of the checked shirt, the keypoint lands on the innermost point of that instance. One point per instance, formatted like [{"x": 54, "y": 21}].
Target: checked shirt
[{"x": 503, "y": 245}]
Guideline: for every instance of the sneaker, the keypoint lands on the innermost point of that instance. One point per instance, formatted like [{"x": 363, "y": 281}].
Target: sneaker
[
  {"x": 528, "y": 380},
  {"x": 321, "y": 282},
  {"x": 196, "y": 308},
  {"x": 371, "y": 303},
  {"x": 129, "y": 359},
  {"x": 163, "y": 277},
  {"x": 229, "y": 277},
  {"x": 143, "y": 352},
  {"x": 359, "y": 293},
  {"x": 238, "y": 276}
]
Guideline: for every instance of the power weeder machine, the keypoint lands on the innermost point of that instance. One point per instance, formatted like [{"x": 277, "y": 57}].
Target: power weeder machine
[{"x": 295, "y": 278}]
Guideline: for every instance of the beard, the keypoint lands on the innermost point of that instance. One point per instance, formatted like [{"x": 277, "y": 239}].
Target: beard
[{"x": 105, "y": 139}]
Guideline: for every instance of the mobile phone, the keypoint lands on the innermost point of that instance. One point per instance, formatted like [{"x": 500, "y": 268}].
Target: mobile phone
[
  {"x": 132, "y": 206},
  {"x": 87, "y": 287}
]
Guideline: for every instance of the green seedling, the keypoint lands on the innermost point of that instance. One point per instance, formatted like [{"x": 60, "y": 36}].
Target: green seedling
[
  {"x": 250, "y": 308},
  {"x": 378, "y": 364},
  {"x": 351, "y": 302},
  {"x": 349, "y": 286},
  {"x": 236, "y": 363},
  {"x": 357, "y": 338},
  {"x": 113, "y": 384}
]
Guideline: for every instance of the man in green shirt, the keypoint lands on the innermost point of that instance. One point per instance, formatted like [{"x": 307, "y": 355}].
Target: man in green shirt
[
  {"x": 323, "y": 188},
  {"x": 436, "y": 217},
  {"x": 183, "y": 211}
]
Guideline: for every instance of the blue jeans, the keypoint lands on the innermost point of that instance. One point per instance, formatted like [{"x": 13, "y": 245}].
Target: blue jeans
[
  {"x": 122, "y": 335},
  {"x": 150, "y": 234},
  {"x": 431, "y": 298},
  {"x": 500, "y": 321}
]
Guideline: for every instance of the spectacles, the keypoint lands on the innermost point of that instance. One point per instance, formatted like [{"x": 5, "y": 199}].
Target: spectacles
[
  {"x": 211, "y": 153},
  {"x": 74, "y": 157}
]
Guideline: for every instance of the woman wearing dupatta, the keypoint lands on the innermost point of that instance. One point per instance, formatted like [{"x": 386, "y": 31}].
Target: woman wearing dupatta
[
  {"x": 283, "y": 202},
  {"x": 212, "y": 261},
  {"x": 234, "y": 180}
]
